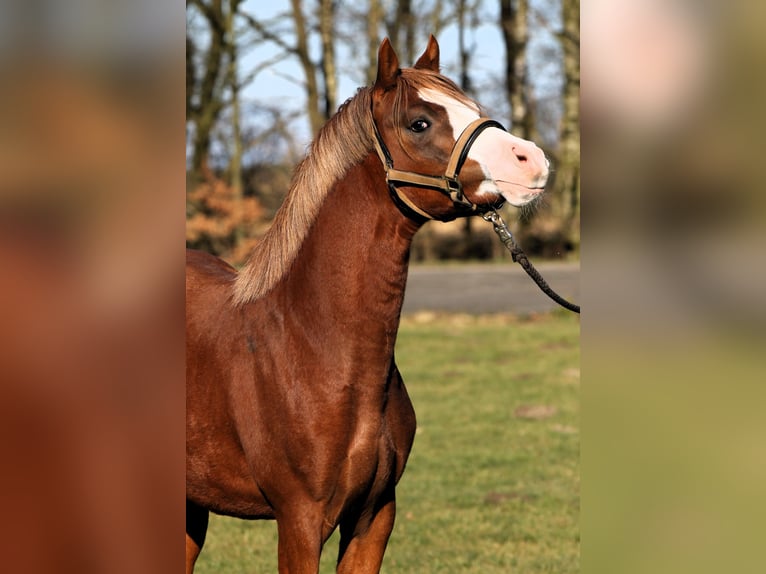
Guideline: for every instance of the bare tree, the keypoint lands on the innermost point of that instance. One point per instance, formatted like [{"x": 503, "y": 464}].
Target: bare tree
[
  {"x": 407, "y": 24},
  {"x": 301, "y": 50},
  {"x": 374, "y": 20},
  {"x": 319, "y": 78},
  {"x": 317, "y": 34},
  {"x": 191, "y": 75},
  {"x": 219, "y": 216},
  {"x": 232, "y": 81},
  {"x": 329, "y": 75},
  {"x": 464, "y": 54},
  {"x": 207, "y": 104},
  {"x": 568, "y": 169},
  {"x": 403, "y": 21},
  {"x": 514, "y": 27},
  {"x": 465, "y": 16}
]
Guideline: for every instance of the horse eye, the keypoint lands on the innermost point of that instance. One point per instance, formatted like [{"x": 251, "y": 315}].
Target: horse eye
[{"x": 419, "y": 126}]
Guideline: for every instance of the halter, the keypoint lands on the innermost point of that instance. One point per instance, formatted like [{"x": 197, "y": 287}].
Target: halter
[{"x": 447, "y": 184}]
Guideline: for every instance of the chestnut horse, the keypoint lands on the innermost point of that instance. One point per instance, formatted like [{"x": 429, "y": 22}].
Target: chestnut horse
[{"x": 296, "y": 410}]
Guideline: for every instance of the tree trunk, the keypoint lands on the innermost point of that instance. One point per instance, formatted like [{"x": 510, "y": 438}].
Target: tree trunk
[
  {"x": 232, "y": 80},
  {"x": 515, "y": 31},
  {"x": 374, "y": 18},
  {"x": 464, "y": 54},
  {"x": 404, "y": 20},
  {"x": 568, "y": 170},
  {"x": 191, "y": 77},
  {"x": 209, "y": 104},
  {"x": 326, "y": 31},
  {"x": 316, "y": 119},
  {"x": 465, "y": 83}
]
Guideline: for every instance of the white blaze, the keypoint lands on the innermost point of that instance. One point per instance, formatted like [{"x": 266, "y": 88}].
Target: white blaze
[{"x": 514, "y": 168}]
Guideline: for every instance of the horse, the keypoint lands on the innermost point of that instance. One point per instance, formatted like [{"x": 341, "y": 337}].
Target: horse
[{"x": 296, "y": 410}]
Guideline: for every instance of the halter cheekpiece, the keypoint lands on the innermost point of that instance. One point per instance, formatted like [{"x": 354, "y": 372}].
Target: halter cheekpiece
[{"x": 447, "y": 184}]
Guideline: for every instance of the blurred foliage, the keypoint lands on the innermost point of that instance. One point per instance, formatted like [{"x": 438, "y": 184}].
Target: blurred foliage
[{"x": 220, "y": 221}]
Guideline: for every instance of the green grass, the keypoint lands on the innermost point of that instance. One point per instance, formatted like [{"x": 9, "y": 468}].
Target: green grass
[{"x": 492, "y": 484}]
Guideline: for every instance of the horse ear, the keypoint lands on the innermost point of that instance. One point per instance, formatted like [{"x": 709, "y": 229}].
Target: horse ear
[
  {"x": 388, "y": 66},
  {"x": 430, "y": 58}
]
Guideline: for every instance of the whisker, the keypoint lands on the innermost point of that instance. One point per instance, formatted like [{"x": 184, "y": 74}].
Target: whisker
[{"x": 520, "y": 184}]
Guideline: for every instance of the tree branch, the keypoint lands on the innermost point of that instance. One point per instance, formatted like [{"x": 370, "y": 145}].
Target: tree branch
[{"x": 267, "y": 34}]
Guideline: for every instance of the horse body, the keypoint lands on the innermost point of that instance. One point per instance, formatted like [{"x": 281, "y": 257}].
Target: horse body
[
  {"x": 295, "y": 407},
  {"x": 324, "y": 395}
]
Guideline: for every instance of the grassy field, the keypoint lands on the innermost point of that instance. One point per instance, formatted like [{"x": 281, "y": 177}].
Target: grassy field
[{"x": 492, "y": 484}]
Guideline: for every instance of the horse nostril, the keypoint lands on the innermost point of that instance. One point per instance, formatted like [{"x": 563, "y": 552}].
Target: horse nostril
[{"x": 519, "y": 155}]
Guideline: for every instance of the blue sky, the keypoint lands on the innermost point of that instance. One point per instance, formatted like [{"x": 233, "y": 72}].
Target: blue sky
[{"x": 278, "y": 85}]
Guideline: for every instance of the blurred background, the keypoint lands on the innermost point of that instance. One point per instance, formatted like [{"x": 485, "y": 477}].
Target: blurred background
[
  {"x": 91, "y": 285},
  {"x": 674, "y": 272},
  {"x": 262, "y": 78}
]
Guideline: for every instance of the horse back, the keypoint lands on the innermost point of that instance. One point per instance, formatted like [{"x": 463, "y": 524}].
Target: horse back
[
  {"x": 201, "y": 266},
  {"x": 209, "y": 314}
]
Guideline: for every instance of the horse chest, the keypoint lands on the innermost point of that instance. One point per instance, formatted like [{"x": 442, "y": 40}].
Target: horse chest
[
  {"x": 368, "y": 469},
  {"x": 345, "y": 458}
]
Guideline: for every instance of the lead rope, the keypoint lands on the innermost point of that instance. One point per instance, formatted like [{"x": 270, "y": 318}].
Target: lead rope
[{"x": 520, "y": 257}]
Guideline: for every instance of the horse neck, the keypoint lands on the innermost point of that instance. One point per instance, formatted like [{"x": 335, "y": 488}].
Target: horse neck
[{"x": 350, "y": 274}]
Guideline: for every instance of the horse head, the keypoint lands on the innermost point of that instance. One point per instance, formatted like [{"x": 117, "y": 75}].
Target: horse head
[{"x": 426, "y": 127}]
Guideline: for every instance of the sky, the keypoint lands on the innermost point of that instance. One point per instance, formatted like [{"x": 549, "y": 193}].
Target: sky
[{"x": 278, "y": 85}]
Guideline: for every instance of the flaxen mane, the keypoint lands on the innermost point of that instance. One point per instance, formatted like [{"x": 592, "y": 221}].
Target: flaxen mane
[{"x": 343, "y": 142}]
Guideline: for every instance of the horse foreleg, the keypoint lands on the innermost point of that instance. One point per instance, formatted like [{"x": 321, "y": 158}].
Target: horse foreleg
[
  {"x": 361, "y": 552},
  {"x": 300, "y": 542},
  {"x": 196, "y": 528}
]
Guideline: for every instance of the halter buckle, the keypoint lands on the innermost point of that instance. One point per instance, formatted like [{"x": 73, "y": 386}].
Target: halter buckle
[{"x": 454, "y": 189}]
